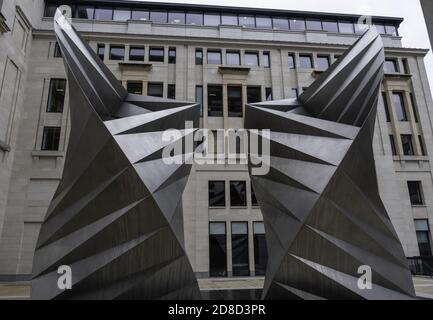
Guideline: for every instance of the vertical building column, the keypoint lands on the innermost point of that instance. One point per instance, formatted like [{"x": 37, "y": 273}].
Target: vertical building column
[
  {"x": 413, "y": 125},
  {"x": 244, "y": 98},
  {"x": 251, "y": 245},
  {"x": 127, "y": 51}
]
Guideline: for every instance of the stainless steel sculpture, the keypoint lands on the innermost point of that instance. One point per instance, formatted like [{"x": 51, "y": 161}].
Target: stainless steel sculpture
[
  {"x": 116, "y": 218},
  {"x": 323, "y": 214}
]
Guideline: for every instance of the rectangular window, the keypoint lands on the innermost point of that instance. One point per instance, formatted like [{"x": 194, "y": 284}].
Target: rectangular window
[
  {"x": 233, "y": 58},
  {"x": 155, "y": 89},
  {"x": 380, "y": 28},
  {"x": 122, "y": 14},
  {"x": 215, "y": 101},
  {"x": 305, "y": 61},
  {"x": 391, "y": 30},
  {"x": 297, "y": 24},
  {"x": 323, "y": 62},
  {"x": 260, "y": 249},
  {"x": 346, "y": 27},
  {"x": 50, "y": 10},
  {"x": 214, "y": 57},
  {"x": 194, "y": 18},
  {"x": 422, "y": 145},
  {"x": 391, "y": 66},
  {"x": 240, "y": 252},
  {"x": 280, "y": 23},
  {"x": 172, "y": 56},
  {"x": 247, "y": 21},
  {"x": 422, "y": 229},
  {"x": 199, "y": 57},
  {"x": 400, "y": 107},
  {"x": 229, "y": 19},
  {"x": 51, "y": 139},
  {"x": 56, "y": 98},
  {"x": 103, "y": 14},
  {"x": 176, "y": 17},
  {"x": 314, "y": 24},
  {"x": 140, "y": 14},
  {"x": 171, "y": 91},
  {"x": 251, "y": 59},
  {"x": 406, "y": 141},
  {"x": 136, "y": 54},
  {"x": 57, "y": 51},
  {"x": 158, "y": 16},
  {"x": 156, "y": 54},
  {"x": 85, "y": 12},
  {"x": 291, "y": 61},
  {"x": 135, "y": 87},
  {"x": 414, "y": 107},
  {"x": 415, "y": 193},
  {"x": 254, "y": 94},
  {"x": 405, "y": 66},
  {"x": 235, "y": 105},
  {"x": 238, "y": 194},
  {"x": 101, "y": 51},
  {"x": 212, "y": 19},
  {"x": 266, "y": 59},
  {"x": 386, "y": 106},
  {"x": 330, "y": 26},
  {"x": 117, "y": 53},
  {"x": 217, "y": 249},
  {"x": 393, "y": 147},
  {"x": 199, "y": 98},
  {"x": 294, "y": 93},
  {"x": 269, "y": 95},
  {"x": 217, "y": 194}
]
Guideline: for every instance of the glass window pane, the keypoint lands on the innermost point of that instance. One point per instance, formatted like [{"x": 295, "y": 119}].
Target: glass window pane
[
  {"x": 297, "y": 24},
  {"x": 229, "y": 19},
  {"x": 56, "y": 99},
  {"x": 195, "y": 18},
  {"x": 155, "y": 90},
  {"x": 176, "y": 17},
  {"x": 269, "y": 95},
  {"x": 198, "y": 56},
  {"x": 103, "y": 14},
  {"x": 171, "y": 91},
  {"x": 306, "y": 62},
  {"x": 85, "y": 12},
  {"x": 421, "y": 225},
  {"x": 215, "y": 101},
  {"x": 51, "y": 139},
  {"x": 101, "y": 51},
  {"x": 199, "y": 98},
  {"x": 266, "y": 60},
  {"x": 217, "y": 228},
  {"x": 260, "y": 249},
  {"x": 291, "y": 61},
  {"x": 214, "y": 57},
  {"x": 400, "y": 107},
  {"x": 117, "y": 53},
  {"x": 238, "y": 194},
  {"x": 254, "y": 94},
  {"x": 122, "y": 14},
  {"x": 263, "y": 22},
  {"x": 393, "y": 147},
  {"x": 247, "y": 21},
  {"x": 314, "y": 24},
  {"x": 281, "y": 23},
  {"x": 212, "y": 19},
  {"x": 158, "y": 16},
  {"x": 235, "y": 104},
  {"x": 233, "y": 58},
  {"x": 50, "y": 10},
  {"x": 322, "y": 62},
  {"x": 172, "y": 56},
  {"x": 330, "y": 26},
  {"x": 294, "y": 93},
  {"x": 415, "y": 193},
  {"x": 136, "y": 54},
  {"x": 391, "y": 30},
  {"x": 346, "y": 27},
  {"x": 240, "y": 254},
  {"x": 217, "y": 249},
  {"x": 156, "y": 54},
  {"x": 217, "y": 194},
  {"x": 391, "y": 66},
  {"x": 259, "y": 228},
  {"x": 135, "y": 87},
  {"x": 406, "y": 141},
  {"x": 140, "y": 14},
  {"x": 380, "y": 28},
  {"x": 251, "y": 59}
]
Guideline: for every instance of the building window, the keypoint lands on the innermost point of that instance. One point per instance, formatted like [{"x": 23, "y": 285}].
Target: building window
[
  {"x": 422, "y": 145},
  {"x": 260, "y": 249},
  {"x": 238, "y": 194},
  {"x": 135, "y": 87},
  {"x": 158, "y": 16},
  {"x": 85, "y": 12},
  {"x": 233, "y": 58},
  {"x": 229, "y": 19},
  {"x": 172, "y": 55},
  {"x": 156, "y": 54},
  {"x": 199, "y": 57},
  {"x": 400, "y": 107},
  {"x": 422, "y": 229},
  {"x": 117, "y": 53},
  {"x": 194, "y": 18},
  {"x": 122, "y": 14},
  {"x": 199, "y": 98},
  {"x": 393, "y": 147},
  {"x": 240, "y": 252},
  {"x": 217, "y": 249},
  {"x": 291, "y": 61},
  {"x": 247, "y": 21},
  {"x": 391, "y": 66},
  {"x": 103, "y": 14},
  {"x": 346, "y": 27},
  {"x": 215, "y": 101},
  {"x": 294, "y": 93},
  {"x": 415, "y": 193},
  {"x": 140, "y": 15},
  {"x": 56, "y": 96},
  {"x": 155, "y": 90},
  {"x": 171, "y": 91},
  {"x": 101, "y": 51},
  {"x": 406, "y": 141},
  {"x": 214, "y": 57},
  {"x": 297, "y": 24},
  {"x": 254, "y": 201},
  {"x": 212, "y": 19},
  {"x": 57, "y": 51},
  {"x": 280, "y": 23},
  {"x": 386, "y": 106},
  {"x": 380, "y": 28},
  {"x": 266, "y": 59},
  {"x": 235, "y": 105},
  {"x": 305, "y": 61},
  {"x": 391, "y": 30},
  {"x": 136, "y": 54},
  {"x": 405, "y": 66},
  {"x": 176, "y": 17},
  {"x": 314, "y": 24},
  {"x": 330, "y": 26},
  {"x": 251, "y": 59},
  {"x": 323, "y": 63},
  {"x": 254, "y": 94},
  {"x": 51, "y": 139},
  {"x": 217, "y": 192},
  {"x": 269, "y": 95},
  {"x": 414, "y": 107}
]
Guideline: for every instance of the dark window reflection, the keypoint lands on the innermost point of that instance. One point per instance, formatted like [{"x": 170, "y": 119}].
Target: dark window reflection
[
  {"x": 136, "y": 54},
  {"x": 51, "y": 139},
  {"x": 407, "y": 143},
  {"x": 215, "y": 101},
  {"x": 217, "y": 249},
  {"x": 155, "y": 90},
  {"x": 260, "y": 249},
  {"x": 415, "y": 193},
  {"x": 240, "y": 256},
  {"x": 217, "y": 194},
  {"x": 238, "y": 194},
  {"x": 235, "y": 105},
  {"x": 135, "y": 87},
  {"x": 117, "y": 53},
  {"x": 56, "y": 97},
  {"x": 254, "y": 94},
  {"x": 423, "y": 236}
]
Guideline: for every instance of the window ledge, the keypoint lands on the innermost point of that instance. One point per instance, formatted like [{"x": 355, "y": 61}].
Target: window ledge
[
  {"x": 4, "y": 146},
  {"x": 136, "y": 64},
  {"x": 234, "y": 70},
  {"x": 419, "y": 206},
  {"x": 217, "y": 208},
  {"x": 411, "y": 158},
  {"x": 48, "y": 154},
  {"x": 3, "y": 26},
  {"x": 402, "y": 76}
]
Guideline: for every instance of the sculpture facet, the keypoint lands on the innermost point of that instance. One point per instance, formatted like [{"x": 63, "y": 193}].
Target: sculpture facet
[
  {"x": 116, "y": 217},
  {"x": 323, "y": 214}
]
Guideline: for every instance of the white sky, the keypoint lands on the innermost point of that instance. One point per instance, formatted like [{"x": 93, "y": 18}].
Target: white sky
[{"x": 413, "y": 29}]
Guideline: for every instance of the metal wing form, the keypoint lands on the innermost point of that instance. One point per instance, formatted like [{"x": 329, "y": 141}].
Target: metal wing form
[
  {"x": 116, "y": 218},
  {"x": 323, "y": 214}
]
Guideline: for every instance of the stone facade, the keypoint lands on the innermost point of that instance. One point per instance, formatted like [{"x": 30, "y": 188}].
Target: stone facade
[{"x": 29, "y": 176}]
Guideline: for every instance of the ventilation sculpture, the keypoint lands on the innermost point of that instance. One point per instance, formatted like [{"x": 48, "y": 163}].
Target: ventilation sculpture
[
  {"x": 116, "y": 218},
  {"x": 324, "y": 218}
]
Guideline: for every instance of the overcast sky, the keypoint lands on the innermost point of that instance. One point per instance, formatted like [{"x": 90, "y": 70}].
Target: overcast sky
[{"x": 413, "y": 29}]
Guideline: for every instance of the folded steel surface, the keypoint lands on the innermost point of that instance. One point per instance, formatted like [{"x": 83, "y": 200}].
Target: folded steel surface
[
  {"x": 116, "y": 218},
  {"x": 323, "y": 214}
]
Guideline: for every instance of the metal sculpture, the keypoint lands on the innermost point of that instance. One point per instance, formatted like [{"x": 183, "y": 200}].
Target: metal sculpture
[
  {"x": 116, "y": 218},
  {"x": 326, "y": 225}
]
